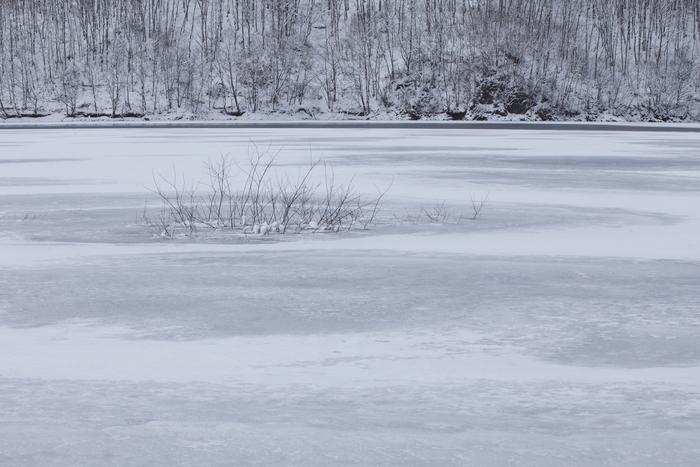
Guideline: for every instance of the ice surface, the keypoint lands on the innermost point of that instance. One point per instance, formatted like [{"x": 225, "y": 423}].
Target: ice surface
[{"x": 562, "y": 328}]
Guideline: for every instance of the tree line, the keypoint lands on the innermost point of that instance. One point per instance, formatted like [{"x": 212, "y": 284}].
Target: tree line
[{"x": 415, "y": 58}]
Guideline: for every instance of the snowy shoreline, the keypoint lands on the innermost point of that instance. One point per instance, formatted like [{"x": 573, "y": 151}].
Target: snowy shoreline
[{"x": 358, "y": 124}]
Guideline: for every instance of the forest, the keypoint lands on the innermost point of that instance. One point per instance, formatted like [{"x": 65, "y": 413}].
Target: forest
[{"x": 403, "y": 59}]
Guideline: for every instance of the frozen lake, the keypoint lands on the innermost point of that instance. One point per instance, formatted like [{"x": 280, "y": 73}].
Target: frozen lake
[{"x": 562, "y": 328}]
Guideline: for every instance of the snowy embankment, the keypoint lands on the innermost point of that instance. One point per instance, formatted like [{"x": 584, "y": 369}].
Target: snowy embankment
[{"x": 561, "y": 328}]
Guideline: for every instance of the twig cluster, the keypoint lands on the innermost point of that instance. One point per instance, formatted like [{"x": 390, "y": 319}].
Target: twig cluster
[
  {"x": 264, "y": 202},
  {"x": 438, "y": 214},
  {"x": 477, "y": 205},
  {"x": 442, "y": 213}
]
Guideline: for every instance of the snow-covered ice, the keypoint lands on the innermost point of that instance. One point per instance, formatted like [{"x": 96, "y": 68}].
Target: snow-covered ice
[{"x": 560, "y": 329}]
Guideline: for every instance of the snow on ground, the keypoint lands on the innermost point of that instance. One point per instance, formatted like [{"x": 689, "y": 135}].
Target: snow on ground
[{"x": 560, "y": 329}]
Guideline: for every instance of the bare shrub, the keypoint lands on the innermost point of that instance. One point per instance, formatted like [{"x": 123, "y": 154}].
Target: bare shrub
[
  {"x": 264, "y": 202},
  {"x": 163, "y": 224},
  {"x": 477, "y": 205},
  {"x": 221, "y": 207},
  {"x": 438, "y": 214},
  {"x": 180, "y": 205}
]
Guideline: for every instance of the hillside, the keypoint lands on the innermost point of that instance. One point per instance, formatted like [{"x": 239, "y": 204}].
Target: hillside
[{"x": 399, "y": 59}]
